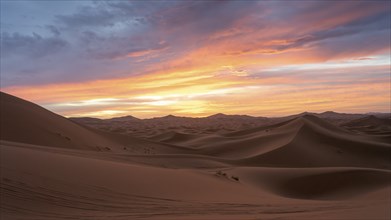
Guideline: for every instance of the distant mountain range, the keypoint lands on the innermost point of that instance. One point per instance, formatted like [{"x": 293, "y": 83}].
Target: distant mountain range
[
  {"x": 326, "y": 114},
  {"x": 217, "y": 123}
]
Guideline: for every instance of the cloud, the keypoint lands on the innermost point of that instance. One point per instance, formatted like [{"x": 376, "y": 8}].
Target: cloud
[
  {"x": 135, "y": 48},
  {"x": 53, "y": 30},
  {"x": 31, "y": 46},
  {"x": 119, "y": 48},
  {"x": 142, "y": 37},
  {"x": 88, "y": 16}
]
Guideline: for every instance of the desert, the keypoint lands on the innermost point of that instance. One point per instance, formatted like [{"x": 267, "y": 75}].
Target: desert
[{"x": 301, "y": 168}]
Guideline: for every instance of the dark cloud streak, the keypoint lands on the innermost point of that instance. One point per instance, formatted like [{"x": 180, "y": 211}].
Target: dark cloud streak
[{"x": 31, "y": 46}]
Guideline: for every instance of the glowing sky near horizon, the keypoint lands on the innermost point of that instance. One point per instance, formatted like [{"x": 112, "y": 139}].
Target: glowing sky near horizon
[{"x": 197, "y": 58}]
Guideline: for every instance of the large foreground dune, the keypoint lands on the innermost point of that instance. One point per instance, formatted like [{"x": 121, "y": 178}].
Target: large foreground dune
[{"x": 301, "y": 168}]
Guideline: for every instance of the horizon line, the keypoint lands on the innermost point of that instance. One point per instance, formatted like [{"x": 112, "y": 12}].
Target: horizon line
[{"x": 207, "y": 116}]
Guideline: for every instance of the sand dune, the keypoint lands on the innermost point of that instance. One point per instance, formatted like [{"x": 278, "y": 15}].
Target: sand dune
[
  {"x": 302, "y": 142},
  {"x": 51, "y": 185},
  {"x": 215, "y": 124},
  {"x": 174, "y": 137},
  {"x": 316, "y": 183},
  {"x": 314, "y": 146},
  {"x": 371, "y": 125},
  {"x": 25, "y": 122},
  {"x": 301, "y": 168}
]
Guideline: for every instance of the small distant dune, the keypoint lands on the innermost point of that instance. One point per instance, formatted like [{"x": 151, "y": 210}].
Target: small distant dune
[
  {"x": 371, "y": 125},
  {"x": 173, "y": 137}
]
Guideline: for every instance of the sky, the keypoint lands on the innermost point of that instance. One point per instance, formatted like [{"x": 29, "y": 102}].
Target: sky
[{"x": 196, "y": 58}]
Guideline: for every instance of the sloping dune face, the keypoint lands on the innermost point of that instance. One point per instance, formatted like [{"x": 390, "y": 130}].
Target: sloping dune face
[
  {"x": 25, "y": 122},
  {"x": 303, "y": 168}
]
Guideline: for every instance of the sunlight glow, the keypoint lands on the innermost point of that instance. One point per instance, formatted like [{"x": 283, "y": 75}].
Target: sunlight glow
[{"x": 246, "y": 60}]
